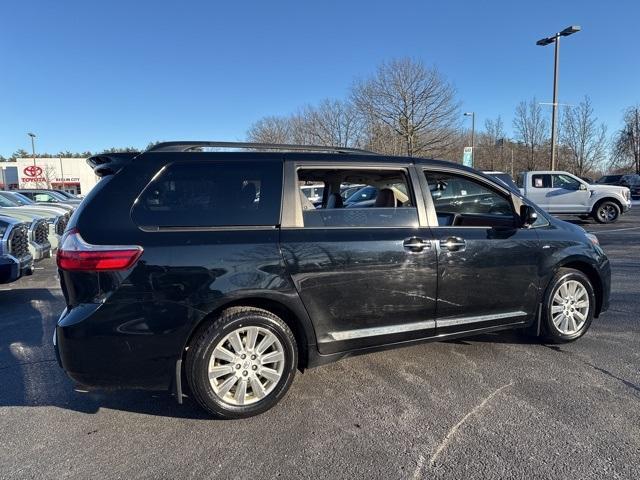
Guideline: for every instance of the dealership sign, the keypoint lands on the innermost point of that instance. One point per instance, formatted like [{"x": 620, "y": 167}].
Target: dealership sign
[{"x": 33, "y": 174}]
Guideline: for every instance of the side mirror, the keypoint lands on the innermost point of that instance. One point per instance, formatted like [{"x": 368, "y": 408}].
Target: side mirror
[
  {"x": 528, "y": 215},
  {"x": 583, "y": 186}
]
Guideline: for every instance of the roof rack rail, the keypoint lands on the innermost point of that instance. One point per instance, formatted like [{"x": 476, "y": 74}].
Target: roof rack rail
[{"x": 192, "y": 145}]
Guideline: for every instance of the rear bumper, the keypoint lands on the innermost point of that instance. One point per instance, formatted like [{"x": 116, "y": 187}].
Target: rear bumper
[
  {"x": 122, "y": 345},
  {"x": 12, "y": 268}
]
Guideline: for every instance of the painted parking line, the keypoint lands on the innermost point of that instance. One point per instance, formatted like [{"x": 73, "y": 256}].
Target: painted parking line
[{"x": 614, "y": 230}]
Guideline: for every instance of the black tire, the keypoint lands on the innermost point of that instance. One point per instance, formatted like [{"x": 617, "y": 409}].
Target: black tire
[
  {"x": 201, "y": 349},
  {"x": 550, "y": 331},
  {"x": 606, "y": 212}
]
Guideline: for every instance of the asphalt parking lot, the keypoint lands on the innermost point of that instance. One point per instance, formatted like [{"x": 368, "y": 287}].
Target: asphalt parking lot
[{"x": 494, "y": 406}]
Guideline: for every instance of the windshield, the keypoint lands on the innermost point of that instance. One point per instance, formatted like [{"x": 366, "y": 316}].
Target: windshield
[
  {"x": 16, "y": 198},
  {"x": 5, "y": 202},
  {"x": 21, "y": 199},
  {"x": 59, "y": 196},
  {"x": 65, "y": 194}
]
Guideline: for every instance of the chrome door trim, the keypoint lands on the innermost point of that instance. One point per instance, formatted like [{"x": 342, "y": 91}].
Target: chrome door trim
[
  {"x": 448, "y": 322},
  {"x": 376, "y": 331}
]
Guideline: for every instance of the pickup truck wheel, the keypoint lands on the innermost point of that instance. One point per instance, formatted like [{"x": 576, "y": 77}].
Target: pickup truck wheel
[
  {"x": 243, "y": 364},
  {"x": 569, "y": 306},
  {"x": 606, "y": 212}
]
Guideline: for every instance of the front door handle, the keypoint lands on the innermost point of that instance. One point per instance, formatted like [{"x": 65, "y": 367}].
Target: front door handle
[
  {"x": 453, "y": 244},
  {"x": 415, "y": 244}
]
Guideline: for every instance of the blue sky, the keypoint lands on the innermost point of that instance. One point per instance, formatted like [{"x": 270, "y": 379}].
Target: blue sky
[{"x": 87, "y": 75}]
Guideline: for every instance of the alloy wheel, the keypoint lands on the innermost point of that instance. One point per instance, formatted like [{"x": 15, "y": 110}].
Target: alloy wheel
[
  {"x": 570, "y": 307},
  {"x": 607, "y": 212},
  {"x": 246, "y": 365}
]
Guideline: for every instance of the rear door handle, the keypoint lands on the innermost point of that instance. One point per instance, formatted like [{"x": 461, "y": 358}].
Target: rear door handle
[
  {"x": 415, "y": 244},
  {"x": 453, "y": 244}
]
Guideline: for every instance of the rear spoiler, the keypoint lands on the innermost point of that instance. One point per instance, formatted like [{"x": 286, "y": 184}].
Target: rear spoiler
[{"x": 110, "y": 163}]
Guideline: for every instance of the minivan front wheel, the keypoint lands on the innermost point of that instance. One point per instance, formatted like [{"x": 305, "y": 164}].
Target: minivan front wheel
[
  {"x": 606, "y": 212},
  {"x": 569, "y": 306},
  {"x": 242, "y": 364}
]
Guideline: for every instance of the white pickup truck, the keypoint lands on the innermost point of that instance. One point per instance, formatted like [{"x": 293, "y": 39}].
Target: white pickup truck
[{"x": 564, "y": 193}]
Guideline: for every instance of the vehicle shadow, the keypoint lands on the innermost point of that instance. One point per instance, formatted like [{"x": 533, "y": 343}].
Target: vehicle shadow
[{"x": 31, "y": 377}]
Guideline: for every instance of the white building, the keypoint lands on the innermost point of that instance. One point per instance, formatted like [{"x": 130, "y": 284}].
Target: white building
[{"x": 72, "y": 175}]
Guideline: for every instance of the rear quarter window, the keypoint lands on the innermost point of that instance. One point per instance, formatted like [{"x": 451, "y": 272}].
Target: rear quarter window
[{"x": 212, "y": 194}]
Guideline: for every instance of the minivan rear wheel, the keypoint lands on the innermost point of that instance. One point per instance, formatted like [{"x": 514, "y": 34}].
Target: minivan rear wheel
[
  {"x": 242, "y": 364},
  {"x": 569, "y": 306}
]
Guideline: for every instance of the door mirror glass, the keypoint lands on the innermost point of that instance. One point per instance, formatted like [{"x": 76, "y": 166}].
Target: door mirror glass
[
  {"x": 528, "y": 215},
  {"x": 583, "y": 186}
]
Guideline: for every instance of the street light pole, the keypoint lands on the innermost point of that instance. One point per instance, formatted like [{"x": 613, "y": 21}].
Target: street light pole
[
  {"x": 554, "y": 111},
  {"x": 554, "y": 115},
  {"x": 33, "y": 146},
  {"x": 473, "y": 136}
]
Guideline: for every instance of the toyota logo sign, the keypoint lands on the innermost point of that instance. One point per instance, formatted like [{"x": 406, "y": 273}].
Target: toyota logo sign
[{"x": 32, "y": 171}]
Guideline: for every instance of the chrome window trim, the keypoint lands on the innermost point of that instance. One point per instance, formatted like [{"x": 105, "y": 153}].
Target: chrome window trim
[{"x": 224, "y": 228}]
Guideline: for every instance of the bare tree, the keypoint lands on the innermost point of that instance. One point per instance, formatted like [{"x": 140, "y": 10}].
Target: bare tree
[
  {"x": 332, "y": 122},
  {"x": 414, "y": 102},
  {"x": 585, "y": 141},
  {"x": 488, "y": 146},
  {"x": 627, "y": 141},
  {"x": 531, "y": 129},
  {"x": 271, "y": 129}
]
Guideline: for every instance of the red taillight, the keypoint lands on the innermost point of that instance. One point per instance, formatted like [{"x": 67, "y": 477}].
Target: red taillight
[{"x": 76, "y": 254}]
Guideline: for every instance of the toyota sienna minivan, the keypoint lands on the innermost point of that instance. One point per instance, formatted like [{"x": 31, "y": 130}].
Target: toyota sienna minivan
[{"x": 211, "y": 274}]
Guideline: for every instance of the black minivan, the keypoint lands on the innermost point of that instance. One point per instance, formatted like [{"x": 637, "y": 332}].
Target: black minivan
[{"x": 187, "y": 269}]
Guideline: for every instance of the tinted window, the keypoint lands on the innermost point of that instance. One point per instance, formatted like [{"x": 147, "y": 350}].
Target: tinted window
[
  {"x": 463, "y": 201},
  {"x": 610, "y": 179},
  {"x": 211, "y": 194},
  {"x": 385, "y": 201},
  {"x": 541, "y": 181},
  {"x": 566, "y": 182}
]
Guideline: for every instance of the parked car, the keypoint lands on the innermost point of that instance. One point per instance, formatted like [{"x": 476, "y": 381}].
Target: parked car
[
  {"x": 348, "y": 189},
  {"x": 48, "y": 196},
  {"x": 172, "y": 272},
  {"x": 56, "y": 218},
  {"x": 67, "y": 194},
  {"x": 313, "y": 192},
  {"x": 564, "y": 193},
  {"x": 630, "y": 181},
  {"x": 21, "y": 200},
  {"x": 504, "y": 178},
  {"x": 15, "y": 259},
  {"x": 39, "y": 244}
]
